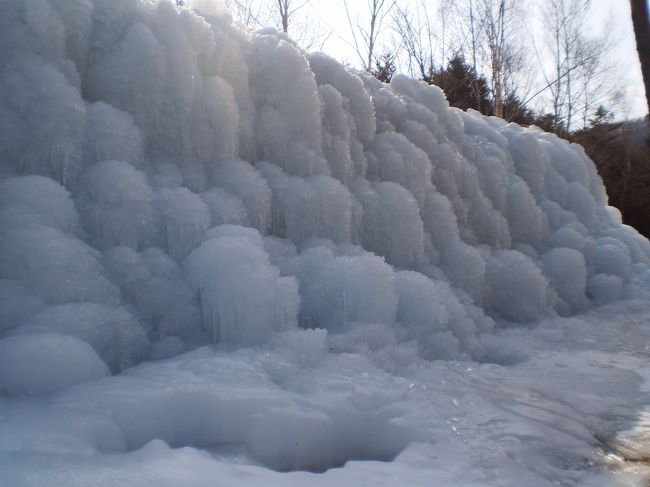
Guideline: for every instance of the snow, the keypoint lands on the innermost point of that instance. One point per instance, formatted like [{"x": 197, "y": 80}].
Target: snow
[
  {"x": 41, "y": 363},
  {"x": 224, "y": 258}
]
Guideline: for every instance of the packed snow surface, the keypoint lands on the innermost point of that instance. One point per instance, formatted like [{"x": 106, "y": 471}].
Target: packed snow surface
[{"x": 226, "y": 261}]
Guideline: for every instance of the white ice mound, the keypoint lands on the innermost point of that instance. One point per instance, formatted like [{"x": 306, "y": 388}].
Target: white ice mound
[
  {"x": 168, "y": 180},
  {"x": 43, "y": 363}
]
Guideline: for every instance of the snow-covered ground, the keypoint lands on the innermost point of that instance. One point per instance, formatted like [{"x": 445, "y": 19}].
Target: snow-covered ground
[
  {"x": 225, "y": 261},
  {"x": 372, "y": 416}
]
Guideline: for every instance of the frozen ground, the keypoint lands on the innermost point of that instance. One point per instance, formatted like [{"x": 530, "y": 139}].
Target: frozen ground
[{"x": 225, "y": 261}]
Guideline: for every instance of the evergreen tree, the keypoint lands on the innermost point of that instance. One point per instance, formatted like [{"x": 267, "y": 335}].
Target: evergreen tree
[
  {"x": 463, "y": 87},
  {"x": 514, "y": 110},
  {"x": 384, "y": 67},
  {"x": 551, "y": 123},
  {"x": 601, "y": 116}
]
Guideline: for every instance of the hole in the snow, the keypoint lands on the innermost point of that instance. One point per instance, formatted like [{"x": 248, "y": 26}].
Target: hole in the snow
[
  {"x": 311, "y": 441},
  {"x": 320, "y": 449}
]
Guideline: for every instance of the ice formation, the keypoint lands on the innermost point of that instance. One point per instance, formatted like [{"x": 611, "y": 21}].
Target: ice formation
[
  {"x": 134, "y": 130},
  {"x": 170, "y": 181}
]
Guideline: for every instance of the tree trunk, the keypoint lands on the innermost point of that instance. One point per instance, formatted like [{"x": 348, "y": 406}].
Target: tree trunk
[
  {"x": 641, "y": 23},
  {"x": 283, "y": 10}
]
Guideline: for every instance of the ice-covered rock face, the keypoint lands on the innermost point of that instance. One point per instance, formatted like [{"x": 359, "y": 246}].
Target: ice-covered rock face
[{"x": 167, "y": 180}]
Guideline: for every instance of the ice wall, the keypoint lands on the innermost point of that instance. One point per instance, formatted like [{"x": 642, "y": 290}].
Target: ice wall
[{"x": 167, "y": 180}]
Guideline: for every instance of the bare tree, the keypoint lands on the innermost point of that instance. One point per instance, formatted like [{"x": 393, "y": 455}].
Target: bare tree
[
  {"x": 596, "y": 78},
  {"x": 248, "y": 12},
  {"x": 487, "y": 34},
  {"x": 417, "y": 36},
  {"x": 497, "y": 21},
  {"x": 251, "y": 13},
  {"x": 578, "y": 81},
  {"x": 466, "y": 29},
  {"x": 365, "y": 35},
  {"x": 483, "y": 32},
  {"x": 473, "y": 31},
  {"x": 463, "y": 28},
  {"x": 285, "y": 10},
  {"x": 559, "y": 19},
  {"x": 285, "y": 13},
  {"x": 307, "y": 32}
]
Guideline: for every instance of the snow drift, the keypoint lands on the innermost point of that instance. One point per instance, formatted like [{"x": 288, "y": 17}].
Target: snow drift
[{"x": 169, "y": 181}]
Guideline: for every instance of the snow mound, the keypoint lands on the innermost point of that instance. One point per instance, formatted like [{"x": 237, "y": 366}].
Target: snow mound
[{"x": 43, "y": 363}]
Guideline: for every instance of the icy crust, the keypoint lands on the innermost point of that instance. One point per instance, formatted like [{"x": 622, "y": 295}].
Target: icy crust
[{"x": 169, "y": 181}]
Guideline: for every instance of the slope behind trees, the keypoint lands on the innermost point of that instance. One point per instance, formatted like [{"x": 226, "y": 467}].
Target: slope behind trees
[{"x": 622, "y": 157}]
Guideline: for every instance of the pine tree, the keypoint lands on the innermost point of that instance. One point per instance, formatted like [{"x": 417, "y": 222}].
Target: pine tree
[
  {"x": 384, "y": 67},
  {"x": 463, "y": 87}
]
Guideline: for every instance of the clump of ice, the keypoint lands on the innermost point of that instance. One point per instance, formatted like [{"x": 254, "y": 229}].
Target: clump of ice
[
  {"x": 42, "y": 363},
  {"x": 566, "y": 271},
  {"x": 185, "y": 218},
  {"x": 37, "y": 199},
  {"x": 432, "y": 314},
  {"x": 337, "y": 290},
  {"x": 517, "y": 288},
  {"x": 117, "y": 206},
  {"x": 239, "y": 179},
  {"x": 116, "y": 337},
  {"x": 243, "y": 297}
]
